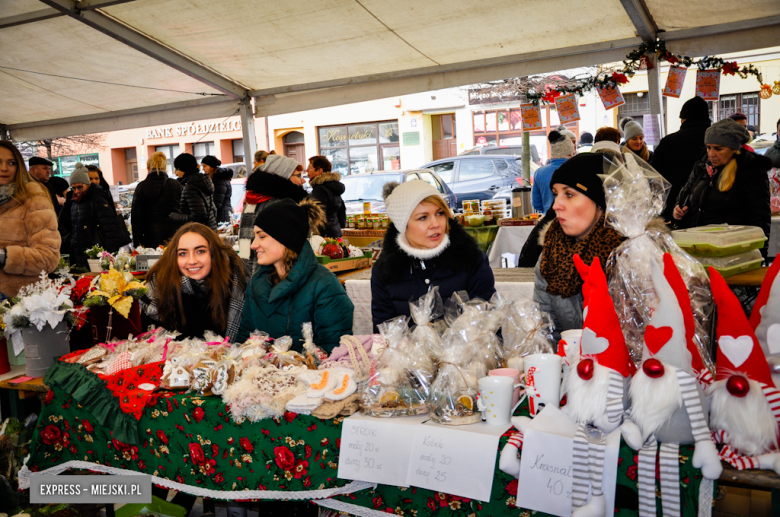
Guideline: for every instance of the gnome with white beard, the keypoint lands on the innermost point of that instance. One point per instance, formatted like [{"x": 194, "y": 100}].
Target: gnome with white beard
[
  {"x": 744, "y": 403},
  {"x": 667, "y": 406},
  {"x": 765, "y": 319},
  {"x": 597, "y": 388}
]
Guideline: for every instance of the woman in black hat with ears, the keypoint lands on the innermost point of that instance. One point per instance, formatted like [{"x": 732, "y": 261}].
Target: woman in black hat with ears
[
  {"x": 220, "y": 177},
  {"x": 579, "y": 228},
  {"x": 290, "y": 287}
]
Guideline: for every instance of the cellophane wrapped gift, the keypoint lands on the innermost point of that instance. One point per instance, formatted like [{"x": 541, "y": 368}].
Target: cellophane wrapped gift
[
  {"x": 253, "y": 352},
  {"x": 454, "y": 392},
  {"x": 635, "y": 195},
  {"x": 314, "y": 354},
  {"x": 400, "y": 379},
  {"x": 281, "y": 356},
  {"x": 478, "y": 321},
  {"x": 527, "y": 330},
  {"x": 424, "y": 310}
]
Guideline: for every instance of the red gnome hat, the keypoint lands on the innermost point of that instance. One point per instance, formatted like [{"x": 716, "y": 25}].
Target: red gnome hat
[
  {"x": 763, "y": 294},
  {"x": 584, "y": 270},
  {"x": 602, "y": 337},
  {"x": 738, "y": 348},
  {"x": 677, "y": 283}
]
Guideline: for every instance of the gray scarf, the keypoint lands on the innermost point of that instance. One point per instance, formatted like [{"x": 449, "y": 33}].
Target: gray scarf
[{"x": 6, "y": 193}]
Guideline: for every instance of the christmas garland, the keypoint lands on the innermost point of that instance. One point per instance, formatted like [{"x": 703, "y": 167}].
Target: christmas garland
[{"x": 635, "y": 61}]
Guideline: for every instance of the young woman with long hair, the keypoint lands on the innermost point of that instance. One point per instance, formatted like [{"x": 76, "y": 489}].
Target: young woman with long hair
[
  {"x": 197, "y": 285},
  {"x": 29, "y": 242}
]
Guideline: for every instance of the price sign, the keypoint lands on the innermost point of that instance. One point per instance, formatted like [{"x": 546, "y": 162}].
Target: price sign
[
  {"x": 377, "y": 450},
  {"x": 546, "y": 464},
  {"x": 441, "y": 462}
]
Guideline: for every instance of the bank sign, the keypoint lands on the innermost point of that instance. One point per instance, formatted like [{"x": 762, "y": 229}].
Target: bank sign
[{"x": 193, "y": 129}]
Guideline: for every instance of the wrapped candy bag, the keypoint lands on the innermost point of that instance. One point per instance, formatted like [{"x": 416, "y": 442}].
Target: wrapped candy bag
[
  {"x": 280, "y": 355},
  {"x": 454, "y": 392},
  {"x": 479, "y": 322},
  {"x": 527, "y": 330},
  {"x": 223, "y": 375},
  {"x": 400, "y": 379},
  {"x": 314, "y": 354},
  {"x": 635, "y": 195},
  {"x": 424, "y": 310}
]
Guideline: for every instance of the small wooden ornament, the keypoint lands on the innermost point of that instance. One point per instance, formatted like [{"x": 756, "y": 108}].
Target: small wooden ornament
[{"x": 766, "y": 92}]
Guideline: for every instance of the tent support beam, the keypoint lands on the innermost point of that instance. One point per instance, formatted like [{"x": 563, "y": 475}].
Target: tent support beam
[
  {"x": 248, "y": 131},
  {"x": 656, "y": 94},
  {"x": 46, "y": 14},
  {"x": 142, "y": 43},
  {"x": 640, "y": 17}
]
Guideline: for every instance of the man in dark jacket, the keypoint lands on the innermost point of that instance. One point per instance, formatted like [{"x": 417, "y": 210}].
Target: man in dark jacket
[
  {"x": 326, "y": 189},
  {"x": 677, "y": 152},
  {"x": 197, "y": 195},
  {"x": 40, "y": 169},
  {"x": 155, "y": 197},
  {"x": 220, "y": 177},
  {"x": 89, "y": 219}
]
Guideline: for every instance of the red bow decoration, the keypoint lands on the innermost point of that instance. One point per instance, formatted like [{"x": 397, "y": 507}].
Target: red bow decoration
[
  {"x": 671, "y": 59},
  {"x": 551, "y": 94},
  {"x": 619, "y": 78},
  {"x": 730, "y": 68}
]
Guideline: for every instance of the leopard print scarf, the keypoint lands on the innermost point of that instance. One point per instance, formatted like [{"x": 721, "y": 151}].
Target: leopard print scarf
[{"x": 557, "y": 265}]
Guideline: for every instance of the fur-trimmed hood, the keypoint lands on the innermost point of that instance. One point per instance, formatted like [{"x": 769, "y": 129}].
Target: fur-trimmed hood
[
  {"x": 463, "y": 253},
  {"x": 325, "y": 177},
  {"x": 274, "y": 186}
]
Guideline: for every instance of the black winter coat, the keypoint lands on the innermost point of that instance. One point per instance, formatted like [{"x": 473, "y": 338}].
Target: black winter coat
[
  {"x": 398, "y": 278},
  {"x": 675, "y": 157},
  {"x": 327, "y": 189},
  {"x": 197, "y": 201},
  {"x": 222, "y": 193},
  {"x": 90, "y": 221},
  {"x": 747, "y": 202},
  {"x": 155, "y": 197}
]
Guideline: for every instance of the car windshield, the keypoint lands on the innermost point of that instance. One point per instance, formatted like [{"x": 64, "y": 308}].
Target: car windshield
[{"x": 367, "y": 187}]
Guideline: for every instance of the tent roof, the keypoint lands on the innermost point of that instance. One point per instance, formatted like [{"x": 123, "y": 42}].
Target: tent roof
[{"x": 190, "y": 59}]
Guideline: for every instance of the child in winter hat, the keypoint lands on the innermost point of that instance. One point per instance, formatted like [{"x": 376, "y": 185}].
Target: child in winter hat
[
  {"x": 80, "y": 174},
  {"x": 402, "y": 199},
  {"x": 279, "y": 165}
]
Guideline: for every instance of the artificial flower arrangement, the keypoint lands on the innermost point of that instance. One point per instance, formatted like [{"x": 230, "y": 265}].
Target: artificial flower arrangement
[
  {"x": 121, "y": 261},
  {"x": 95, "y": 252},
  {"x": 116, "y": 291}
]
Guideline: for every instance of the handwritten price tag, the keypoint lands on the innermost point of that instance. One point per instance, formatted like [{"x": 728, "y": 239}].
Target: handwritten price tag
[
  {"x": 441, "y": 462},
  {"x": 546, "y": 464},
  {"x": 377, "y": 450}
]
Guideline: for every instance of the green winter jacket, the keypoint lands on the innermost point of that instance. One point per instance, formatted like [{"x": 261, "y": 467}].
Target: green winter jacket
[{"x": 309, "y": 293}]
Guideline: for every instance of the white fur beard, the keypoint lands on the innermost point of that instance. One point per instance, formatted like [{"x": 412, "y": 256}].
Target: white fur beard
[
  {"x": 654, "y": 401},
  {"x": 587, "y": 400},
  {"x": 748, "y": 420}
]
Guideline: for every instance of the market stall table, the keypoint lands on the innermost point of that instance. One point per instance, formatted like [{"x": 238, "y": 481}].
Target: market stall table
[
  {"x": 509, "y": 241},
  {"x": 517, "y": 282},
  {"x": 19, "y": 391}
]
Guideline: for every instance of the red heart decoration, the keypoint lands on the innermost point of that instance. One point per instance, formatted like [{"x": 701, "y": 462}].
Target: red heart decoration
[{"x": 655, "y": 338}]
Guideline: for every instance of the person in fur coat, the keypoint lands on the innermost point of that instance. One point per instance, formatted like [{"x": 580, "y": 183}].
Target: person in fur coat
[
  {"x": 424, "y": 247},
  {"x": 30, "y": 242}
]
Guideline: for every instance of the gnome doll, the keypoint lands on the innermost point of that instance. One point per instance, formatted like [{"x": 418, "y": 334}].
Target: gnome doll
[
  {"x": 597, "y": 388},
  {"x": 744, "y": 403},
  {"x": 667, "y": 406},
  {"x": 765, "y": 319}
]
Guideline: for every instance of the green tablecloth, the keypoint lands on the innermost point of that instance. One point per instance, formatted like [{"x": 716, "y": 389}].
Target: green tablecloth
[
  {"x": 485, "y": 235},
  {"x": 190, "y": 443}
]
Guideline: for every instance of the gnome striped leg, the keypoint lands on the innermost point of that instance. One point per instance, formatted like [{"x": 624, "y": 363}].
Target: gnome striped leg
[
  {"x": 615, "y": 397},
  {"x": 580, "y": 466},
  {"x": 669, "y": 460},
  {"x": 646, "y": 477},
  {"x": 690, "y": 396},
  {"x": 596, "y": 450}
]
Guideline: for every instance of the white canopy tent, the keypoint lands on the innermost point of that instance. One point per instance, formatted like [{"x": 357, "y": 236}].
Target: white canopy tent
[{"x": 120, "y": 64}]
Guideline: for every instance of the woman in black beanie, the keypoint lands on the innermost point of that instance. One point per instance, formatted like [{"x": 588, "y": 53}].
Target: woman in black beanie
[
  {"x": 223, "y": 191},
  {"x": 197, "y": 195},
  {"x": 290, "y": 287},
  {"x": 579, "y": 227}
]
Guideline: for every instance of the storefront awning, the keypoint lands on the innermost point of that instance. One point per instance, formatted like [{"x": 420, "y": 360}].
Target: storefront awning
[{"x": 97, "y": 65}]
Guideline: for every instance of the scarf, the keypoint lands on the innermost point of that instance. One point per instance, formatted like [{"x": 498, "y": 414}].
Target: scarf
[
  {"x": 557, "y": 266},
  {"x": 253, "y": 198},
  {"x": 6, "y": 193}
]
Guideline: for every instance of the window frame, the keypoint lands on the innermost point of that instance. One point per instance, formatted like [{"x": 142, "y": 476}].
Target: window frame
[{"x": 378, "y": 145}]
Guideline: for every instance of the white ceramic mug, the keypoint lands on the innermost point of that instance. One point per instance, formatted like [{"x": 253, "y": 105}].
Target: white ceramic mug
[
  {"x": 512, "y": 374},
  {"x": 495, "y": 393},
  {"x": 543, "y": 381}
]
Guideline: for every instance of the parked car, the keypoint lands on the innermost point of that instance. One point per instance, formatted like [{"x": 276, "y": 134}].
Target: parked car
[
  {"x": 368, "y": 187},
  {"x": 477, "y": 177},
  {"x": 514, "y": 150},
  {"x": 238, "y": 168}
]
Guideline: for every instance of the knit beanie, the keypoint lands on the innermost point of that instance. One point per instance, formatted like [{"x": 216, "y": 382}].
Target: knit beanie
[
  {"x": 79, "y": 175},
  {"x": 586, "y": 138},
  {"x": 728, "y": 133},
  {"x": 561, "y": 145},
  {"x": 287, "y": 222},
  {"x": 402, "y": 199},
  {"x": 565, "y": 132},
  {"x": 279, "y": 165},
  {"x": 630, "y": 128},
  {"x": 581, "y": 172},
  {"x": 211, "y": 161},
  {"x": 695, "y": 109},
  {"x": 186, "y": 163}
]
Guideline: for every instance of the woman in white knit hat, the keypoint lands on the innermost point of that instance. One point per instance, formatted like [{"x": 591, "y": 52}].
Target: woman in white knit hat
[{"x": 424, "y": 247}]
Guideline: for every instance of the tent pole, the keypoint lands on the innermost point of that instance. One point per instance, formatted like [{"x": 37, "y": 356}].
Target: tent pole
[
  {"x": 248, "y": 131},
  {"x": 655, "y": 91}
]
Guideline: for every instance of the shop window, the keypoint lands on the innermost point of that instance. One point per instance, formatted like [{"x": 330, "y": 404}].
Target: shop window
[
  {"x": 746, "y": 103},
  {"x": 238, "y": 151},
  {"x": 359, "y": 148},
  {"x": 170, "y": 152},
  {"x": 636, "y": 107},
  {"x": 202, "y": 149}
]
